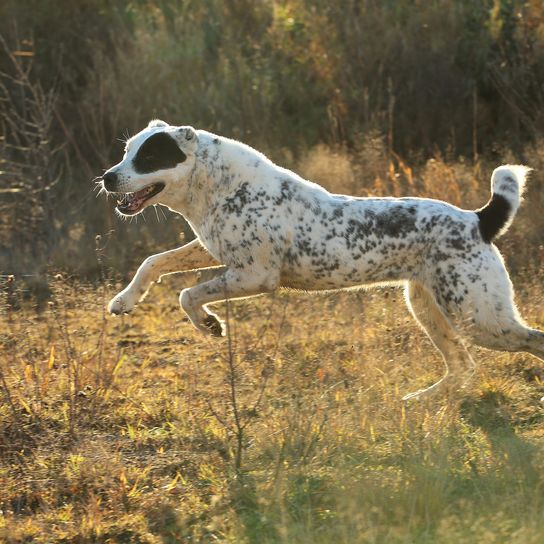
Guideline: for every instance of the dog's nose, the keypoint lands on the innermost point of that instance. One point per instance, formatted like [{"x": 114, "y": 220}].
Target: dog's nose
[{"x": 110, "y": 181}]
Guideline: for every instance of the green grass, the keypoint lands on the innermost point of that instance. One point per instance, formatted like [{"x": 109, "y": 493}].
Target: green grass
[{"x": 123, "y": 429}]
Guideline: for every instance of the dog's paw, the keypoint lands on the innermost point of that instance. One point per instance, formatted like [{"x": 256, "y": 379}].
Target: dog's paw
[
  {"x": 119, "y": 305},
  {"x": 212, "y": 325}
]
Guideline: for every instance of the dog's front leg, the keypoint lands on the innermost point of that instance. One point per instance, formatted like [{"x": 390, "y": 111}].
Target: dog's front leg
[
  {"x": 230, "y": 285},
  {"x": 191, "y": 256}
]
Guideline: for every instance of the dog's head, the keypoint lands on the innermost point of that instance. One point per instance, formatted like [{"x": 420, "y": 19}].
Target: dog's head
[{"x": 156, "y": 160}]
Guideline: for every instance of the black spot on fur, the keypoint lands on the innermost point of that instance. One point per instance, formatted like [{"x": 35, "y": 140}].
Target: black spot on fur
[
  {"x": 158, "y": 152},
  {"x": 286, "y": 193},
  {"x": 395, "y": 222},
  {"x": 493, "y": 216},
  {"x": 238, "y": 201}
]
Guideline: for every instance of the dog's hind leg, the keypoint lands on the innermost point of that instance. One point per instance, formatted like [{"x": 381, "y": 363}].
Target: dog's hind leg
[
  {"x": 514, "y": 336},
  {"x": 459, "y": 363},
  {"x": 498, "y": 326},
  {"x": 191, "y": 256},
  {"x": 486, "y": 313}
]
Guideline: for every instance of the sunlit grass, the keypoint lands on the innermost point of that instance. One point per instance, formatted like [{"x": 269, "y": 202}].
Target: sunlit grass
[{"x": 121, "y": 429}]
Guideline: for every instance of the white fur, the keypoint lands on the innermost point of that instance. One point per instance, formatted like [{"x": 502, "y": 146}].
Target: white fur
[{"x": 270, "y": 229}]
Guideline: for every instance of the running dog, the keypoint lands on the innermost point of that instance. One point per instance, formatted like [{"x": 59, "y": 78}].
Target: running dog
[{"x": 270, "y": 228}]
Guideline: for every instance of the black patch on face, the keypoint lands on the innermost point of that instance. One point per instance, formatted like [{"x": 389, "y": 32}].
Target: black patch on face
[
  {"x": 158, "y": 152},
  {"x": 493, "y": 216}
]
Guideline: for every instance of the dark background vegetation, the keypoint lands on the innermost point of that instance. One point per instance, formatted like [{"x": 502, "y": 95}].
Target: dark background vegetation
[{"x": 433, "y": 78}]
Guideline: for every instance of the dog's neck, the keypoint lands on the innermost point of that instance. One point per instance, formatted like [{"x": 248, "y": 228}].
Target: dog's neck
[{"x": 216, "y": 174}]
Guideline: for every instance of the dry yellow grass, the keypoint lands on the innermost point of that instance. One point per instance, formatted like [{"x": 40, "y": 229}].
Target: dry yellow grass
[
  {"x": 122, "y": 430},
  {"x": 139, "y": 429}
]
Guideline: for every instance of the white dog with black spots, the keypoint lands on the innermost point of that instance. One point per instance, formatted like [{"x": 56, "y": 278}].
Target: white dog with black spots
[{"x": 269, "y": 228}]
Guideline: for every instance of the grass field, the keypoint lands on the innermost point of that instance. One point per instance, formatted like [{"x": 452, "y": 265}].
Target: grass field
[{"x": 139, "y": 429}]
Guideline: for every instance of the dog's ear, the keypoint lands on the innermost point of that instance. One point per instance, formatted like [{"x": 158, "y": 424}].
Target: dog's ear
[
  {"x": 156, "y": 123},
  {"x": 187, "y": 133},
  {"x": 187, "y": 138}
]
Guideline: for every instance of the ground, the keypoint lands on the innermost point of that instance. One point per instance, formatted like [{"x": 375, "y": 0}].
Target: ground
[{"x": 140, "y": 429}]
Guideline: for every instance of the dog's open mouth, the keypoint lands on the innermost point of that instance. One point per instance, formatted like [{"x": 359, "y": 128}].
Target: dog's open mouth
[{"x": 132, "y": 203}]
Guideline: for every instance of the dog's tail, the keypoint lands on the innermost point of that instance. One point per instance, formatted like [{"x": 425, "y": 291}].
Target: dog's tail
[{"x": 507, "y": 184}]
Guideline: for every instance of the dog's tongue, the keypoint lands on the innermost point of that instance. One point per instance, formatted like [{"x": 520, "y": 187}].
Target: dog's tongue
[{"x": 132, "y": 201}]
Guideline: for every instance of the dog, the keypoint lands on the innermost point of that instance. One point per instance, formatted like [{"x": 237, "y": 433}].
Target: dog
[{"x": 271, "y": 229}]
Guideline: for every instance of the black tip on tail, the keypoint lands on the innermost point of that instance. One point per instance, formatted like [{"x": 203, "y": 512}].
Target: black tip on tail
[{"x": 493, "y": 217}]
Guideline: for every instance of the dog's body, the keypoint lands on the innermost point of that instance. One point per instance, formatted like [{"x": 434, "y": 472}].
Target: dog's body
[{"x": 272, "y": 229}]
